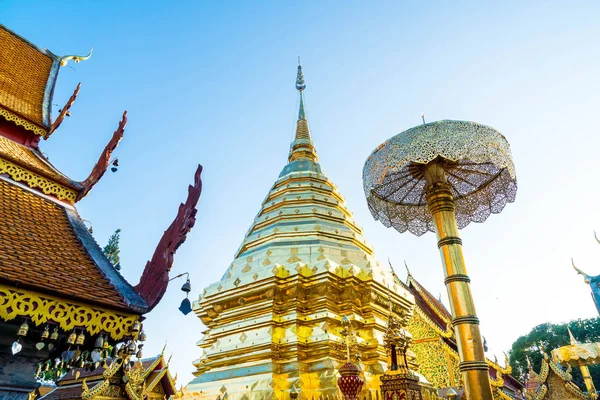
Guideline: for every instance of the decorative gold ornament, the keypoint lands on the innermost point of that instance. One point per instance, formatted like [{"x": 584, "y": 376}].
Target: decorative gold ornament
[
  {"x": 10, "y": 116},
  {"x": 36, "y": 181},
  {"x": 68, "y": 315},
  {"x": 72, "y": 337}
]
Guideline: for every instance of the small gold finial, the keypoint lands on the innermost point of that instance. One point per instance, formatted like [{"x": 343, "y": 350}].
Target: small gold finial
[
  {"x": 407, "y": 270},
  {"x": 571, "y": 337},
  {"x": 65, "y": 59}
]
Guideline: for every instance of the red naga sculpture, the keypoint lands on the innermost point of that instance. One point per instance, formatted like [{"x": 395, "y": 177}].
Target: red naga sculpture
[
  {"x": 104, "y": 160},
  {"x": 155, "y": 278}
]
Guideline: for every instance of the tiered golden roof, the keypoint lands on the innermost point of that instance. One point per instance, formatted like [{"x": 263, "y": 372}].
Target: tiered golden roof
[{"x": 274, "y": 319}]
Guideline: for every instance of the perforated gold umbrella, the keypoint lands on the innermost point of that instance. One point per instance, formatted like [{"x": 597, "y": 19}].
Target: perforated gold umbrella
[{"x": 439, "y": 177}]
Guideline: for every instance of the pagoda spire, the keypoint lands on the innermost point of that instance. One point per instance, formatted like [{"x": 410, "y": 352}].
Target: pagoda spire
[{"x": 302, "y": 147}]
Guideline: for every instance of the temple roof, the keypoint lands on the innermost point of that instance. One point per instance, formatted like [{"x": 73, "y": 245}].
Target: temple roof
[
  {"x": 154, "y": 370},
  {"x": 27, "y": 78},
  {"x": 45, "y": 246},
  {"x": 33, "y": 160},
  {"x": 553, "y": 382},
  {"x": 436, "y": 310}
]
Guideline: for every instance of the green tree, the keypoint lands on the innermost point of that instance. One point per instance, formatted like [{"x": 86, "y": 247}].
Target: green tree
[
  {"x": 550, "y": 336},
  {"x": 111, "y": 250}
]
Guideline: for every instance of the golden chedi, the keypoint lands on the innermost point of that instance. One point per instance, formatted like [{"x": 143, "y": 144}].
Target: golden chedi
[{"x": 274, "y": 319}]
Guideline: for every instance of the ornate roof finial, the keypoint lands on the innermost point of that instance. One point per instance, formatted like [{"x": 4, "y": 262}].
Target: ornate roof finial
[
  {"x": 64, "y": 60},
  {"x": 302, "y": 146},
  {"x": 300, "y": 85},
  {"x": 407, "y": 270},
  {"x": 571, "y": 337}
]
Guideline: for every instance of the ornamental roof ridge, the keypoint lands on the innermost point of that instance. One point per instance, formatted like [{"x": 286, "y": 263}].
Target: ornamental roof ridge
[{"x": 436, "y": 306}]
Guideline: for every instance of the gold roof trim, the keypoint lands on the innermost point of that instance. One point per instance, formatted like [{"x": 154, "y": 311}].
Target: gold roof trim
[
  {"x": 36, "y": 181},
  {"x": 17, "y": 119},
  {"x": 42, "y": 308}
]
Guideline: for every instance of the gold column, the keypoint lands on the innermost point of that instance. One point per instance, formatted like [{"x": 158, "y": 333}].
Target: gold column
[
  {"x": 587, "y": 378},
  {"x": 464, "y": 318}
]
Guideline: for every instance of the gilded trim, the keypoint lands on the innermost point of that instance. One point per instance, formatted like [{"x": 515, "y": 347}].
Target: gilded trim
[
  {"x": 98, "y": 390},
  {"x": 34, "y": 180},
  {"x": 41, "y": 308},
  {"x": 30, "y": 126}
]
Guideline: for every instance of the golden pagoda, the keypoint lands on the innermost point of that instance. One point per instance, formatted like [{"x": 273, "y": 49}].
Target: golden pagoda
[
  {"x": 63, "y": 304},
  {"x": 274, "y": 319}
]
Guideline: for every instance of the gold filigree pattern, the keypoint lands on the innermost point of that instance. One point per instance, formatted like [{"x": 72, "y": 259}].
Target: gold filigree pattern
[
  {"x": 34, "y": 180},
  {"x": 98, "y": 390},
  {"x": 9, "y": 116},
  {"x": 478, "y": 166},
  {"x": 43, "y": 308}
]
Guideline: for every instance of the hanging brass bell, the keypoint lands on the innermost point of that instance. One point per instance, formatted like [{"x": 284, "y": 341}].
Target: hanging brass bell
[
  {"x": 105, "y": 342},
  {"x": 142, "y": 336},
  {"x": 46, "y": 332},
  {"x": 136, "y": 326},
  {"x": 23, "y": 329},
  {"x": 99, "y": 342},
  {"x": 54, "y": 334},
  {"x": 80, "y": 338},
  {"x": 72, "y": 337},
  {"x": 131, "y": 348}
]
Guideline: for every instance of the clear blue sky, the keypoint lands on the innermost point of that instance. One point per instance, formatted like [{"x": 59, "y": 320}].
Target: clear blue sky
[{"x": 213, "y": 83}]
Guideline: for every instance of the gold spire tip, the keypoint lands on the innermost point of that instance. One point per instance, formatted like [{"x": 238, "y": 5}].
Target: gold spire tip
[
  {"x": 300, "y": 85},
  {"x": 571, "y": 337}
]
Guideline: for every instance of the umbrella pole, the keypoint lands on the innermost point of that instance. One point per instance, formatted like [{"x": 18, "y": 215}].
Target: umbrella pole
[
  {"x": 587, "y": 378},
  {"x": 441, "y": 206}
]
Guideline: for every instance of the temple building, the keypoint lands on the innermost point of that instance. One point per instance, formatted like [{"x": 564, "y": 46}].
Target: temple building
[
  {"x": 148, "y": 378},
  {"x": 434, "y": 344},
  {"x": 63, "y": 305},
  {"x": 553, "y": 383},
  {"x": 274, "y": 319}
]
